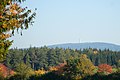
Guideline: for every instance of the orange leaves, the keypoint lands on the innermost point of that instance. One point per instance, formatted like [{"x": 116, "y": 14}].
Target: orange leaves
[
  {"x": 14, "y": 8},
  {"x": 5, "y": 71},
  {"x": 105, "y": 68},
  {"x": 14, "y": 12},
  {"x": 1, "y": 16}
]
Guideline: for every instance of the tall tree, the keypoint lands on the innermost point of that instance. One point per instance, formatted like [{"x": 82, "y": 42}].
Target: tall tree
[
  {"x": 79, "y": 68},
  {"x": 23, "y": 71},
  {"x": 12, "y": 17}
]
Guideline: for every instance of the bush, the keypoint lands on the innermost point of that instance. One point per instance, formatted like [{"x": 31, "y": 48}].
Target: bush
[
  {"x": 48, "y": 76},
  {"x": 97, "y": 76},
  {"x": 18, "y": 77}
]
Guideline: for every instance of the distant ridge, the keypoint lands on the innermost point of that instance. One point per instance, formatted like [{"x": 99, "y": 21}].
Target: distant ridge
[{"x": 98, "y": 45}]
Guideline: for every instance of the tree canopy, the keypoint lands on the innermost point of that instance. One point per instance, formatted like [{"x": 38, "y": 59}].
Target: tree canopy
[
  {"x": 12, "y": 17},
  {"x": 79, "y": 68}
]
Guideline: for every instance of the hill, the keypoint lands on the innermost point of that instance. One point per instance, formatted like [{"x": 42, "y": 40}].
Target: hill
[{"x": 98, "y": 45}]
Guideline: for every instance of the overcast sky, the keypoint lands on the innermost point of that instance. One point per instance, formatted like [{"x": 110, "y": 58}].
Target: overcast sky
[{"x": 71, "y": 21}]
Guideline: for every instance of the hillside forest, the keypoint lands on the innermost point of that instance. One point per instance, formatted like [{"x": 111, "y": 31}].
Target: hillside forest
[{"x": 63, "y": 64}]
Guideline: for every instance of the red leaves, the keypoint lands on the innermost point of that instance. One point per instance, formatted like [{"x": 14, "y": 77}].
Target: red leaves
[{"x": 105, "y": 68}]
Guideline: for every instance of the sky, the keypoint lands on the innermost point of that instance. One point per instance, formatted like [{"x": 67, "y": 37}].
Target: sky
[{"x": 71, "y": 21}]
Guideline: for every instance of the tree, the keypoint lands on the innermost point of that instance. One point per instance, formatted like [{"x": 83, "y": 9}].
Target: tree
[
  {"x": 5, "y": 71},
  {"x": 12, "y": 17},
  {"x": 23, "y": 71},
  {"x": 118, "y": 63},
  {"x": 79, "y": 68},
  {"x": 105, "y": 68}
]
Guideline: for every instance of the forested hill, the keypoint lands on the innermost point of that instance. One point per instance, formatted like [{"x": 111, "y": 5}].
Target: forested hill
[
  {"x": 45, "y": 57},
  {"x": 98, "y": 45}
]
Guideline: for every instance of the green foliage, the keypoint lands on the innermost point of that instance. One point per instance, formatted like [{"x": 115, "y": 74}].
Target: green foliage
[
  {"x": 1, "y": 77},
  {"x": 79, "y": 68},
  {"x": 4, "y": 46},
  {"x": 118, "y": 63},
  {"x": 48, "y": 76},
  {"x": 113, "y": 76},
  {"x": 23, "y": 71},
  {"x": 53, "y": 76},
  {"x": 44, "y": 57}
]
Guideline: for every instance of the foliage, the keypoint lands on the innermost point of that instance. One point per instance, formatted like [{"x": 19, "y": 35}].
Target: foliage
[
  {"x": 79, "y": 68},
  {"x": 44, "y": 57},
  {"x": 1, "y": 77},
  {"x": 48, "y": 76},
  {"x": 54, "y": 76},
  {"x": 118, "y": 63},
  {"x": 53, "y": 68},
  {"x": 23, "y": 71},
  {"x": 12, "y": 17},
  {"x": 5, "y": 72},
  {"x": 104, "y": 68},
  {"x": 113, "y": 76},
  {"x": 40, "y": 72}
]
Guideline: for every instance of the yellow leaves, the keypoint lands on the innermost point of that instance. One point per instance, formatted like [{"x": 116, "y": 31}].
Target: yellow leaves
[
  {"x": 9, "y": 2},
  {"x": 14, "y": 23},
  {"x": 84, "y": 55},
  {"x": 4, "y": 36},
  {"x": 31, "y": 72},
  {"x": 4, "y": 26},
  {"x": 53, "y": 68},
  {"x": 1, "y": 44},
  {"x": 40, "y": 72},
  {"x": 76, "y": 66},
  {"x": 12, "y": 17}
]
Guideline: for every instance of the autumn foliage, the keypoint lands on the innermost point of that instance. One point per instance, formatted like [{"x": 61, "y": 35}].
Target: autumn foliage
[
  {"x": 12, "y": 17},
  {"x": 79, "y": 68},
  {"x": 105, "y": 68},
  {"x": 59, "y": 69},
  {"x": 40, "y": 72},
  {"x": 5, "y": 72}
]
